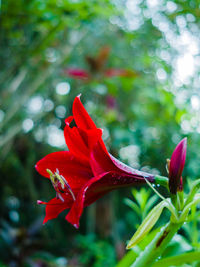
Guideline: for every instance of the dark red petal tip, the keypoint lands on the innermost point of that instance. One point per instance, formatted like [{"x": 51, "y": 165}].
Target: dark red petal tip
[{"x": 81, "y": 116}]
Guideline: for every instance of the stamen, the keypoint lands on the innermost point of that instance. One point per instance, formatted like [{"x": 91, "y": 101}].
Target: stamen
[
  {"x": 167, "y": 165},
  {"x": 56, "y": 180},
  {"x": 58, "y": 196},
  {"x": 68, "y": 187}
]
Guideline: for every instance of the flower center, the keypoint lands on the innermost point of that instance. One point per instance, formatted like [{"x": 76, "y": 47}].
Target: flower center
[{"x": 60, "y": 184}]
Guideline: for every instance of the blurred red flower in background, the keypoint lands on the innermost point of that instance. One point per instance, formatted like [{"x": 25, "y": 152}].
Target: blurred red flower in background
[
  {"x": 97, "y": 66},
  {"x": 86, "y": 172}
]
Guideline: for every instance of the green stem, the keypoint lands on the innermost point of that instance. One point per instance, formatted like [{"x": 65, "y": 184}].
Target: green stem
[
  {"x": 175, "y": 200},
  {"x": 161, "y": 180},
  {"x": 157, "y": 245},
  {"x": 181, "y": 200}
]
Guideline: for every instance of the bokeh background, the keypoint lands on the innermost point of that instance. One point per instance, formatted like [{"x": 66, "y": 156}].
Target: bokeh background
[{"x": 144, "y": 114}]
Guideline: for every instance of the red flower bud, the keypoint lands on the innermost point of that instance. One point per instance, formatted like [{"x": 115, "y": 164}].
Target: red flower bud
[{"x": 176, "y": 166}]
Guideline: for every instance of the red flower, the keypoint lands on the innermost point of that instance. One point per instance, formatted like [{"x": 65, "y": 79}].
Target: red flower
[
  {"x": 86, "y": 172},
  {"x": 176, "y": 166},
  {"x": 97, "y": 66}
]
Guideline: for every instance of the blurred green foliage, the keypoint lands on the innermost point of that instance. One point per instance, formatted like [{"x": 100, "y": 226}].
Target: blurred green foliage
[{"x": 160, "y": 40}]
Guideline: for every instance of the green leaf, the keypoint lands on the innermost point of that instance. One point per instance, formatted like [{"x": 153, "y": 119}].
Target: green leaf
[
  {"x": 193, "y": 191},
  {"x": 141, "y": 197},
  {"x": 177, "y": 246},
  {"x": 147, "y": 224},
  {"x": 189, "y": 206},
  {"x": 132, "y": 205},
  {"x": 151, "y": 202},
  {"x": 189, "y": 257}
]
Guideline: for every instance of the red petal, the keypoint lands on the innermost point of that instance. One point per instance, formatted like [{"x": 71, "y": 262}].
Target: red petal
[
  {"x": 69, "y": 119},
  {"x": 78, "y": 74},
  {"x": 96, "y": 188},
  {"x": 126, "y": 169},
  {"x": 76, "y": 211},
  {"x": 81, "y": 116},
  {"x": 75, "y": 171},
  {"x": 83, "y": 119},
  {"x": 55, "y": 206},
  {"x": 76, "y": 143},
  {"x": 80, "y": 142},
  {"x": 91, "y": 137},
  {"x": 100, "y": 161}
]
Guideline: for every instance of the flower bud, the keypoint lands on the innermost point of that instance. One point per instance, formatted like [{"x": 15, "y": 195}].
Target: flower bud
[{"x": 176, "y": 166}]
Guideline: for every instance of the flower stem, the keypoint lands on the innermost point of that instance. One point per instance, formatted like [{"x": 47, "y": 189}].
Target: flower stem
[
  {"x": 157, "y": 245},
  {"x": 161, "y": 180}
]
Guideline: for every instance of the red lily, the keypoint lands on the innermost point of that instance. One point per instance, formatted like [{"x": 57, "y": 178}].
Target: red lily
[
  {"x": 86, "y": 172},
  {"x": 97, "y": 65},
  {"x": 176, "y": 166}
]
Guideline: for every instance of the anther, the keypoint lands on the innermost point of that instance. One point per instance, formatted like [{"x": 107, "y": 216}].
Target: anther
[
  {"x": 167, "y": 165},
  {"x": 56, "y": 180}
]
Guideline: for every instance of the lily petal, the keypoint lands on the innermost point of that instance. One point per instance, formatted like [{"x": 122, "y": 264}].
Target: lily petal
[
  {"x": 83, "y": 119},
  {"x": 137, "y": 174},
  {"x": 101, "y": 161},
  {"x": 80, "y": 142},
  {"x": 96, "y": 188},
  {"x": 81, "y": 116},
  {"x": 55, "y": 206},
  {"x": 75, "y": 143},
  {"x": 74, "y": 170}
]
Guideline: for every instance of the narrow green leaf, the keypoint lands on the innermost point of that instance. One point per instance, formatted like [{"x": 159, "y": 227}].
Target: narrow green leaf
[
  {"x": 178, "y": 260},
  {"x": 193, "y": 191},
  {"x": 189, "y": 206},
  {"x": 132, "y": 205}
]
